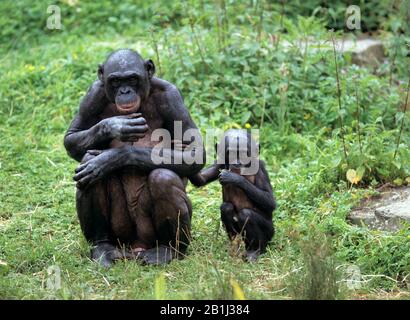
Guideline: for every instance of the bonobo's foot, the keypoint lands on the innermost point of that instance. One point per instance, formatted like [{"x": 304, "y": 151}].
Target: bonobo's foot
[
  {"x": 157, "y": 256},
  {"x": 105, "y": 254},
  {"x": 251, "y": 255}
]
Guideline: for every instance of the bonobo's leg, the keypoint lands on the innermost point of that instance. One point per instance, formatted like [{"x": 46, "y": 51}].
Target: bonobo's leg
[
  {"x": 139, "y": 203},
  {"x": 171, "y": 216},
  {"x": 92, "y": 210},
  {"x": 228, "y": 217},
  {"x": 257, "y": 232}
]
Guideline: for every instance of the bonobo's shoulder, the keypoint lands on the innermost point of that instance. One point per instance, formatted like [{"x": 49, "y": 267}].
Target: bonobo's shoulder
[
  {"x": 262, "y": 168},
  {"x": 94, "y": 100},
  {"x": 164, "y": 88},
  {"x": 263, "y": 174},
  {"x": 97, "y": 84},
  {"x": 97, "y": 87}
]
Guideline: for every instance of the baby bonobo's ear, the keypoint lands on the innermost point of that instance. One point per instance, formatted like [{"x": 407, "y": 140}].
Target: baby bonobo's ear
[
  {"x": 100, "y": 72},
  {"x": 257, "y": 151}
]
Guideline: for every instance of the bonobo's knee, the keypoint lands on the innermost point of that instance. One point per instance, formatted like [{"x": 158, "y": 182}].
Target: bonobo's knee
[
  {"x": 227, "y": 207},
  {"x": 161, "y": 180}
]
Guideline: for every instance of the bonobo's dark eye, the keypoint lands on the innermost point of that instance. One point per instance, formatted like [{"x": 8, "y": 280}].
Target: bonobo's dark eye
[
  {"x": 133, "y": 81},
  {"x": 115, "y": 83}
]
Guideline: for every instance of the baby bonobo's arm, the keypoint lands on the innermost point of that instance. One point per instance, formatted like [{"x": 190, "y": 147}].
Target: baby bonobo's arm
[
  {"x": 261, "y": 192},
  {"x": 206, "y": 176}
]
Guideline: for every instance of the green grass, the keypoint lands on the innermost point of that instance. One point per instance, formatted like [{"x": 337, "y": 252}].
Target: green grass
[{"x": 44, "y": 75}]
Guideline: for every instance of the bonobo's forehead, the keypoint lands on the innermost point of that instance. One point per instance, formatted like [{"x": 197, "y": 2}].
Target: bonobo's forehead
[{"x": 124, "y": 60}]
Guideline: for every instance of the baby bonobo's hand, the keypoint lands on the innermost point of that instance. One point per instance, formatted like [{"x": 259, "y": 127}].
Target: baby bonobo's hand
[
  {"x": 226, "y": 177},
  {"x": 127, "y": 128}
]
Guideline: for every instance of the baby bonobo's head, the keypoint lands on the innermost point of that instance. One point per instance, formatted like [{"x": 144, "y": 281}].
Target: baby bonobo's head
[{"x": 238, "y": 150}]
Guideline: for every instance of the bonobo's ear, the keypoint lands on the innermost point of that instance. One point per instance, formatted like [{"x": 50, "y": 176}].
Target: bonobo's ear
[
  {"x": 258, "y": 150},
  {"x": 150, "y": 67},
  {"x": 100, "y": 72}
]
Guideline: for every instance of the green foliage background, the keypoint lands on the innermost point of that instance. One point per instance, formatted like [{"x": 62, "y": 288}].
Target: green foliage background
[{"x": 236, "y": 63}]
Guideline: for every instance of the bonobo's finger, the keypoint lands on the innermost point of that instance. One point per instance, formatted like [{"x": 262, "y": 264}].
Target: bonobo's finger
[
  {"x": 131, "y": 137},
  {"x": 83, "y": 183},
  {"x": 223, "y": 179},
  {"x": 157, "y": 256},
  {"x": 129, "y": 116},
  {"x": 134, "y": 115},
  {"x": 81, "y": 174},
  {"x": 134, "y": 129},
  {"x": 178, "y": 145},
  {"x": 116, "y": 254},
  {"x": 94, "y": 152},
  {"x": 222, "y": 172},
  {"x": 136, "y": 122},
  {"x": 80, "y": 167}
]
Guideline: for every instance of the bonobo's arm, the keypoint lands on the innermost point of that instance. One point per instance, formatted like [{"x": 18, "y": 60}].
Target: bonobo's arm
[
  {"x": 85, "y": 131},
  {"x": 170, "y": 105},
  {"x": 206, "y": 176},
  {"x": 260, "y": 193}
]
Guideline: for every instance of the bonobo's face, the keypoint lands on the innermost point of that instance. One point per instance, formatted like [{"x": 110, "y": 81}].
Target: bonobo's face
[
  {"x": 126, "y": 78},
  {"x": 238, "y": 149}
]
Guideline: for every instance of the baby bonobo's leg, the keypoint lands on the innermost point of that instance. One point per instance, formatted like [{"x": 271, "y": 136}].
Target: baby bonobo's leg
[
  {"x": 229, "y": 220},
  {"x": 257, "y": 232},
  {"x": 171, "y": 216}
]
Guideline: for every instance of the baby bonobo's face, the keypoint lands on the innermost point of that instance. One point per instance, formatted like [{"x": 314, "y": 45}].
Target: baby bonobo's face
[
  {"x": 238, "y": 160},
  {"x": 238, "y": 152},
  {"x": 235, "y": 168}
]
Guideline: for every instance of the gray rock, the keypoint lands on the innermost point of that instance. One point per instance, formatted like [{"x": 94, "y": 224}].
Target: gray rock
[
  {"x": 364, "y": 52},
  {"x": 386, "y": 211}
]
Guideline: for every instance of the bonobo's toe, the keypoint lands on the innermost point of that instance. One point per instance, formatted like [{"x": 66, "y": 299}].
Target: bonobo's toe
[
  {"x": 105, "y": 254},
  {"x": 252, "y": 255},
  {"x": 158, "y": 255}
]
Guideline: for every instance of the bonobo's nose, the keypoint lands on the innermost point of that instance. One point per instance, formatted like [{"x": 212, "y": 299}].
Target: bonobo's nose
[{"x": 124, "y": 90}]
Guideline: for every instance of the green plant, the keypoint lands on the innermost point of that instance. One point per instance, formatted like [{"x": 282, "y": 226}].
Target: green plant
[{"x": 317, "y": 278}]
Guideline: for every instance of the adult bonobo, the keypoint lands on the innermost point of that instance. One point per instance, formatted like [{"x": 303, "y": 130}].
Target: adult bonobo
[
  {"x": 248, "y": 200},
  {"x": 124, "y": 197}
]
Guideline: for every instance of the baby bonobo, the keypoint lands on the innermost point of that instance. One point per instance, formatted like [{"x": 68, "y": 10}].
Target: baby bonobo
[{"x": 248, "y": 200}]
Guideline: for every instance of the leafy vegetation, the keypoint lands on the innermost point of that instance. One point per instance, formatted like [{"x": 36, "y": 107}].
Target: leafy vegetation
[{"x": 237, "y": 63}]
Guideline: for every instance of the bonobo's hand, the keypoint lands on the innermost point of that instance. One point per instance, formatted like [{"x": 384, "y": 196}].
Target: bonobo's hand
[
  {"x": 130, "y": 127},
  {"x": 226, "y": 177},
  {"x": 99, "y": 163}
]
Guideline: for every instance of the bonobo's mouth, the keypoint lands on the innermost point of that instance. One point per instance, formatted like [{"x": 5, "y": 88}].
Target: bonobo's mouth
[{"x": 126, "y": 107}]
